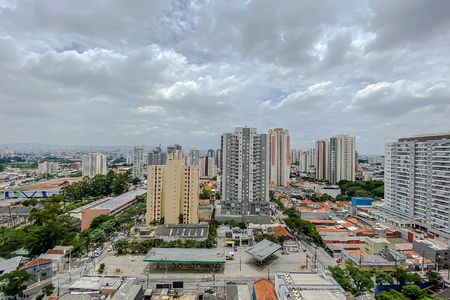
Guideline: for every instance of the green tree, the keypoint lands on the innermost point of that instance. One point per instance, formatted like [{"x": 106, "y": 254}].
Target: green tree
[
  {"x": 341, "y": 197},
  {"x": 99, "y": 220},
  {"x": 14, "y": 282},
  {"x": 391, "y": 295},
  {"x": 433, "y": 277},
  {"x": 413, "y": 292},
  {"x": 414, "y": 278},
  {"x": 326, "y": 197},
  {"x": 362, "y": 280},
  {"x": 272, "y": 195},
  {"x": 50, "y": 227},
  {"x": 205, "y": 194},
  {"x": 400, "y": 275},
  {"x": 47, "y": 290},
  {"x": 341, "y": 276},
  {"x": 383, "y": 278}
]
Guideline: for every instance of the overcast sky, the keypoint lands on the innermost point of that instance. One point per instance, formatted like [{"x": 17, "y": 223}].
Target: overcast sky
[{"x": 116, "y": 72}]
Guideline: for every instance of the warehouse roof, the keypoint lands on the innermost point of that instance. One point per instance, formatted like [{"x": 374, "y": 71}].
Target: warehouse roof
[
  {"x": 185, "y": 256},
  {"x": 263, "y": 250},
  {"x": 121, "y": 200}
]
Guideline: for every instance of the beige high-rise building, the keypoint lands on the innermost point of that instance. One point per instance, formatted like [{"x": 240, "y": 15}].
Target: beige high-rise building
[
  {"x": 280, "y": 150},
  {"x": 172, "y": 191}
]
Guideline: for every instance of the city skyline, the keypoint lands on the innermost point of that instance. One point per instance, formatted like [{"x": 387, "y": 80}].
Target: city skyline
[{"x": 166, "y": 71}]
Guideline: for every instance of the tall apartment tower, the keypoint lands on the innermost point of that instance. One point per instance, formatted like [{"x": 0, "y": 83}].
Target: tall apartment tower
[
  {"x": 280, "y": 151},
  {"x": 138, "y": 162},
  {"x": 48, "y": 167},
  {"x": 172, "y": 191},
  {"x": 322, "y": 159},
  {"x": 156, "y": 157},
  {"x": 207, "y": 166},
  {"x": 295, "y": 156},
  {"x": 245, "y": 175},
  {"x": 219, "y": 158},
  {"x": 303, "y": 161},
  {"x": 174, "y": 148},
  {"x": 342, "y": 158},
  {"x": 193, "y": 157},
  {"x": 93, "y": 164},
  {"x": 417, "y": 181}
]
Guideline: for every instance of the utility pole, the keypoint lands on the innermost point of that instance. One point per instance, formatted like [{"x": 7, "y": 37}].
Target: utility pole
[
  {"x": 423, "y": 260},
  {"x": 240, "y": 264},
  {"x": 315, "y": 257}
]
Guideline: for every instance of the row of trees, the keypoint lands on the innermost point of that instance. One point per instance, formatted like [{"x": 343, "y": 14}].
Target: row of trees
[
  {"x": 143, "y": 246},
  {"x": 358, "y": 282},
  {"x": 52, "y": 225},
  {"x": 102, "y": 227},
  {"x": 296, "y": 224},
  {"x": 372, "y": 188},
  {"x": 96, "y": 187}
]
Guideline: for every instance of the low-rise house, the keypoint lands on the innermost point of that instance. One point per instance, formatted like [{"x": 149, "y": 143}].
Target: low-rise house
[
  {"x": 290, "y": 246},
  {"x": 39, "y": 269},
  {"x": 377, "y": 245},
  {"x": 9, "y": 265},
  {"x": 385, "y": 261},
  {"x": 437, "y": 253},
  {"x": 94, "y": 285},
  {"x": 237, "y": 292}
]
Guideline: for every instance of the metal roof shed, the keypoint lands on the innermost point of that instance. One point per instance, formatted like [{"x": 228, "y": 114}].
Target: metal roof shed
[{"x": 263, "y": 250}]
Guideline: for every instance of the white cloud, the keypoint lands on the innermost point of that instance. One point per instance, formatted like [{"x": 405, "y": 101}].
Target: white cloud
[
  {"x": 149, "y": 109},
  {"x": 176, "y": 71}
]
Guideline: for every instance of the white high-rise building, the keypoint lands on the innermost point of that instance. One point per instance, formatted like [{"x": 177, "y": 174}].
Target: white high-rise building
[
  {"x": 48, "y": 167},
  {"x": 245, "y": 176},
  {"x": 303, "y": 161},
  {"x": 280, "y": 150},
  {"x": 93, "y": 164},
  {"x": 417, "y": 181},
  {"x": 342, "y": 158},
  {"x": 192, "y": 157},
  {"x": 322, "y": 159},
  {"x": 138, "y": 162}
]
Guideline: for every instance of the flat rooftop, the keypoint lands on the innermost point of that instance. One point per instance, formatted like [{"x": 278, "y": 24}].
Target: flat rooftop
[
  {"x": 95, "y": 283},
  {"x": 119, "y": 201},
  {"x": 185, "y": 256},
  {"x": 238, "y": 292},
  {"x": 263, "y": 249},
  {"x": 183, "y": 230},
  {"x": 310, "y": 286},
  {"x": 426, "y": 137}
]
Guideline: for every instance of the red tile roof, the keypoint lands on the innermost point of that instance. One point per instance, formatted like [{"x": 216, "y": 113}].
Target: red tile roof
[
  {"x": 56, "y": 251},
  {"x": 264, "y": 290},
  {"x": 281, "y": 231},
  {"x": 36, "y": 262}
]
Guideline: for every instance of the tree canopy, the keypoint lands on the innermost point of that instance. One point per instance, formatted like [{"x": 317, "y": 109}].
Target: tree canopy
[{"x": 14, "y": 282}]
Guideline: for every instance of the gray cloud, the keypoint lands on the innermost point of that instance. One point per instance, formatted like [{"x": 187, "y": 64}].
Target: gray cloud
[{"x": 83, "y": 72}]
